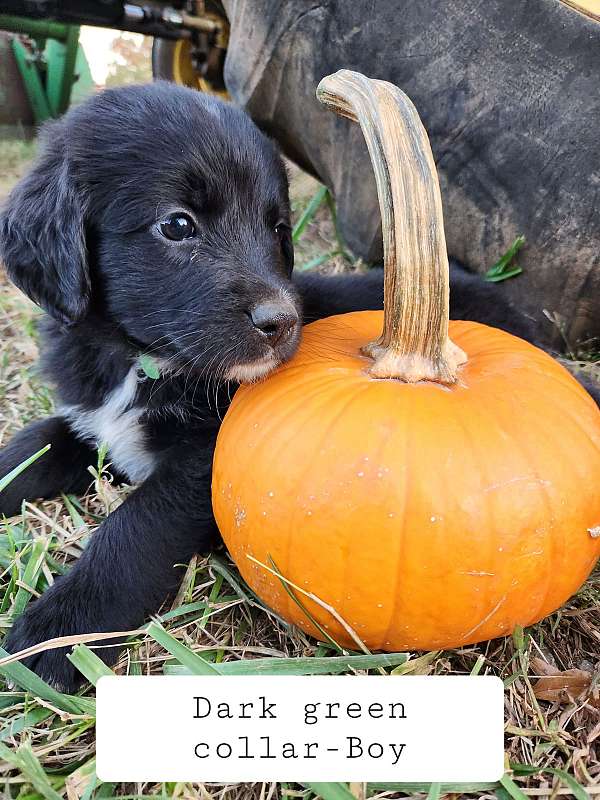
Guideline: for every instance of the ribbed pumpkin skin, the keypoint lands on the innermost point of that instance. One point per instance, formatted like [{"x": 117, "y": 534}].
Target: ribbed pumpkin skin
[{"x": 428, "y": 517}]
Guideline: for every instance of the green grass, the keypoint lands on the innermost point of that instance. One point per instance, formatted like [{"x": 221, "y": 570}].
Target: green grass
[
  {"x": 15, "y": 155},
  {"x": 217, "y": 625},
  {"x": 505, "y": 267}
]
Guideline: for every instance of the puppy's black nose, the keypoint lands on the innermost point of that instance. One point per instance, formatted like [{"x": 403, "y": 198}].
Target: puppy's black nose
[{"x": 274, "y": 320}]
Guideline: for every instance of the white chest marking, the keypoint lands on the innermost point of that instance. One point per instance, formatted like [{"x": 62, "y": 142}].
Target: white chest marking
[{"x": 119, "y": 426}]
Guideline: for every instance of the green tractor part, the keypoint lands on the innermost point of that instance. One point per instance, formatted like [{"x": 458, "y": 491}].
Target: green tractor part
[{"x": 52, "y": 65}]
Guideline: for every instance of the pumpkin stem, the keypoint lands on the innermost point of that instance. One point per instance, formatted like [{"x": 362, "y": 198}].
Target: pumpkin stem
[{"x": 414, "y": 344}]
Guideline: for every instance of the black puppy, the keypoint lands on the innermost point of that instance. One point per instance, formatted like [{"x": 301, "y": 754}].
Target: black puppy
[{"x": 156, "y": 220}]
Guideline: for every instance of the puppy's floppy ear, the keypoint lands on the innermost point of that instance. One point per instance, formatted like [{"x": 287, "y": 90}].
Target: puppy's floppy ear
[{"x": 42, "y": 236}]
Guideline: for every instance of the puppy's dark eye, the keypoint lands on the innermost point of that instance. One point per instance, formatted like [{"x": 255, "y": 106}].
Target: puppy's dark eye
[
  {"x": 177, "y": 227},
  {"x": 284, "y": 232},
  {"x": 282, "y": 229}
]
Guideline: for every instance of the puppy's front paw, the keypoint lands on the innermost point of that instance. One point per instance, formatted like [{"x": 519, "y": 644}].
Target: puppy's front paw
[
  {"x": 59, "y": 612},
  {"x": 51, "y": 665}
]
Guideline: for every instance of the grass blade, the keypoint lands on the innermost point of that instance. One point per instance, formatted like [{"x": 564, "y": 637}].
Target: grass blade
[
  {"x": 331, "y": 791},
  {"x": 181, "y": 611},
  {"x": 105, "y": 790},
  {"x": 195, "y": 663},
  {"x": 330, "y": 665},
  {"x": 578, "y": 791},
  {"x": 292, "y": 594},
  {"x": 338, "y": 234},
  {"x": 504, "y": 268},
  {"x": 30, "y": 577},
  {"x": 477, "y": 666},
  {"x": 511, "y": 788},
  {"x": 18, "y": 673},
  {"x": 576, "y": 788},
  {"x": 222, "y": 568},
  {"x": 509, "y": 272},
  {"x": 445, "y": 788},
  {"x": 82, "y": 781},
  {"x": 78, "y": 520},
  {"x": 434, "y": 791},
  {"x": 20, "y": 723},
  {"x": 26, "y": 762},
  {"x": 212, "y": 599},
  {"x": 417, "y": 665},
  {"x": 22, "y": 467},
  {"x": 10, "y": 699},
  {"x": 318, "y": 260},
  {"x": 308, "y": 213},
  {"x": 88, "y": 663}
]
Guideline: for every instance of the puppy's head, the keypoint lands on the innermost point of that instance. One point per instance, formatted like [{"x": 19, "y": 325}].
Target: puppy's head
[{"x": 165, "y": 212}]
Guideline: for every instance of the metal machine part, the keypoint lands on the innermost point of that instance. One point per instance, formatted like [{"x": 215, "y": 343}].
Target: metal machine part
[
  {"x": 172, "y": 20},
  {"x": 190, "y": 38}
]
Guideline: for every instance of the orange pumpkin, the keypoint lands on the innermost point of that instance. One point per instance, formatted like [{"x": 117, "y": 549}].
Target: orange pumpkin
[{"x": 434, "y": 488}]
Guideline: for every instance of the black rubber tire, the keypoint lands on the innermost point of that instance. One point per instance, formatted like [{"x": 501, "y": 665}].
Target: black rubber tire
[
  {"x": 169, "y": 64},
  {"x": 162, "y": 59}
]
